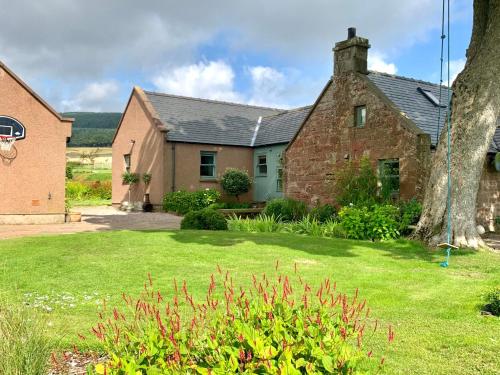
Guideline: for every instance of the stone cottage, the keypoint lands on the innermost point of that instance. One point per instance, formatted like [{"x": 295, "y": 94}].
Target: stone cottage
[{"x": 390, "y": 119}]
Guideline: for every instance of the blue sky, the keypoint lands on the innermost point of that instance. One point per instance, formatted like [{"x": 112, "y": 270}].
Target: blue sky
[{"x": 87, "y": 55}]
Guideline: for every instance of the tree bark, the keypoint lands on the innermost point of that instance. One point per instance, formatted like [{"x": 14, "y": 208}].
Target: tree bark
[{"x": 475, "y": 109}]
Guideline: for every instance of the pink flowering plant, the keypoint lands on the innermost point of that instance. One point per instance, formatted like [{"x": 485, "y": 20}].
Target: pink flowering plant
[{"x": 273, "y": 327}]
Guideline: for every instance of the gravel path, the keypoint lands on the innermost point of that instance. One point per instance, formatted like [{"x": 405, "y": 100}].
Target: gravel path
[{"x": 95, "y": 219}]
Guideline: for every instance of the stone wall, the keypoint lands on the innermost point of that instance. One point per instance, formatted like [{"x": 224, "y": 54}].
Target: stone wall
[{"x": 329, "y": 138}]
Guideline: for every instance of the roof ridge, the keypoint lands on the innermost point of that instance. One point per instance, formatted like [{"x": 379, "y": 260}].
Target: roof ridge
[
  {"x": 211, "y": 101},
  {"x": 407, "y": 78},
  {"x": 289, "y": 110}
]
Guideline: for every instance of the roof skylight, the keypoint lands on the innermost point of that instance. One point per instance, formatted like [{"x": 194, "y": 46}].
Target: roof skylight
[{"x": 431, "y": 97}]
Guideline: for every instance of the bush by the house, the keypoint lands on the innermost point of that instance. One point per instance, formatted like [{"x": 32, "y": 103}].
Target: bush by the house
[
  {"x": 231, "y": 205},
  {"x": 356, "y": 185},
  {"x": 261, "y": 224},
  {"x": 183, "y": 201},
  {"x": 24, "y": 348},
  {"x": 76, "y": 190},
  {"x": 286, "y": 209},
  {"x": 324, "y": 213},
  {"x": 492, "y": 301},
  {"x": 269, "y": 224},
  {"x": 409, "y": 213},
  {"x": 235, "y": 182},
  {"x": 279, "y": 325},
  {"x": 379, "y": 222},
  {"x": 205, "y": 219}
]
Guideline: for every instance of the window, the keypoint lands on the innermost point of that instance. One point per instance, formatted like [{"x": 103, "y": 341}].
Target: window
[
  {"x": 360, "y": 116},
  {"x": 261, "y": 165},
  {"x": 126, "y": 159},
  {"x": 431, "y": 97},
  {"x": 388, "y": 171},
  {"x": 207, "y": 165},
  {"x": 279, "y": 180}
]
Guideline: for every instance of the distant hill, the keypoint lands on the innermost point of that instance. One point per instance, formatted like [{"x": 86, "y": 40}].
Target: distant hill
[{"x": 93, "y": 129}]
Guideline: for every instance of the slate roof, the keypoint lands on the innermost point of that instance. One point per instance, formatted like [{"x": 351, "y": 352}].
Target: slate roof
[
  {"x": 404, "y": 93},
  {"x": 195, "y": 120},
  {"x": 280, "y": 128}
]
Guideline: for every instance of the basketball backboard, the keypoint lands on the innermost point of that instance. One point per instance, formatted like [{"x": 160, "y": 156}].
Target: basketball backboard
[{"x": 10, "y": 127}]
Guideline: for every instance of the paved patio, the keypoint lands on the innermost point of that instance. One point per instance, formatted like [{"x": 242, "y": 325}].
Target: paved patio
[{"x": 96, "y": 219}]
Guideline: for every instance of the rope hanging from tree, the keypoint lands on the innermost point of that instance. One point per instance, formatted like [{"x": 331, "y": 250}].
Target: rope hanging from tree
[{"x": 447, "y": 245}]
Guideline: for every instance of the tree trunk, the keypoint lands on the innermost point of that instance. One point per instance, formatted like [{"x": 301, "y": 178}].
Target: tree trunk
[{"x": 474, "y": 112}]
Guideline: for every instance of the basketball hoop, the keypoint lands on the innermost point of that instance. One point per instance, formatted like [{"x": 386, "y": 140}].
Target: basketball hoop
[{"x": 6, "y": 142}]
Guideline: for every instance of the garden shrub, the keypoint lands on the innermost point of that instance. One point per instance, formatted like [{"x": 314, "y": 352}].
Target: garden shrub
[
  {"x": 205, "y": 219},
  {"x": 235, "y": 182},
  {"x": 262, "y": 223},
  {"x": 280, "y": 325},
  {"x": 379, "y": 222},
  {"x": 492, "y": 301},
  {"x": 24, "y": 348},
  {"x": 409, "y": 214},
  {"x": 286, "y": 209},
  {"x": 76, "y": 190},
  {"x": 231, "y": 205},
  {"x": 334, "y": 229},
  {"x": 356, "y": 185},
  {"x": 269, "y": 224},
  {"x": 307, "y": 225},
  {"x": 183, "y": 201},
  {"x": 324, "y": 213}
]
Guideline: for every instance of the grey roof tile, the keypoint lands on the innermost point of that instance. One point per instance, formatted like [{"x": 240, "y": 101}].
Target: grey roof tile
[
  {"x": 280, "y": 128},
  {"x": 404, "y": 93},
  {"x": 208, "y": 121}
]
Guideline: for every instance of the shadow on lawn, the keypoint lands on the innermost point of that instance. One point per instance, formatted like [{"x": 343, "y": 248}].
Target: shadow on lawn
[{"x": 335, "y": 247}]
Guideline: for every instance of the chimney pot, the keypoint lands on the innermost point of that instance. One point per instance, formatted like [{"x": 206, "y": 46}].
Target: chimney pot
[{"x": 351, "y": 55}]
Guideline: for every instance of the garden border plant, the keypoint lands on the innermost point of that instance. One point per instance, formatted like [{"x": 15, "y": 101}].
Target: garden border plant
[{"x": 278, "y": 325}]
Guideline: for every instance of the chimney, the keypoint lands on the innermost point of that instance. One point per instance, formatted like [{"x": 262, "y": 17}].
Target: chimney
[{"x": 351, "y": 55}]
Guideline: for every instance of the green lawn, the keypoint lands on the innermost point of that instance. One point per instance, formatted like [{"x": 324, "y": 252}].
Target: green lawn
[{"x": 439, "y": 329}]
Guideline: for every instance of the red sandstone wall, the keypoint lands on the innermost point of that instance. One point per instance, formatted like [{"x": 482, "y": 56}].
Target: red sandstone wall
[
  {"x": 34, "y": 182},
  {"x": 329, "y": 135}
]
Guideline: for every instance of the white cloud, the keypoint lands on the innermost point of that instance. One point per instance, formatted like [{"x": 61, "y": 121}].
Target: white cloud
[
  {"x": 268, "y": 86},
  {"x": 456, "y": 66},
  {"x": 139, "y": 39},
  {"x": 215, "y": 80},
  {"x": 377, "y": 61},
  {"x": 209, "y": 80},
  {"x": 95, "y": 96}
]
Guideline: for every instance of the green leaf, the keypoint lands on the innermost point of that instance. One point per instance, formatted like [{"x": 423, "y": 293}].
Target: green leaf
[{"x": 327, "y": 362}]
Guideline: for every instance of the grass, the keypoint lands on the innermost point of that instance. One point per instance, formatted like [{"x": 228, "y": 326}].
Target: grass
[
  {"x": 435, "y": 312},
  {"x": 75, "y": 203}
]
